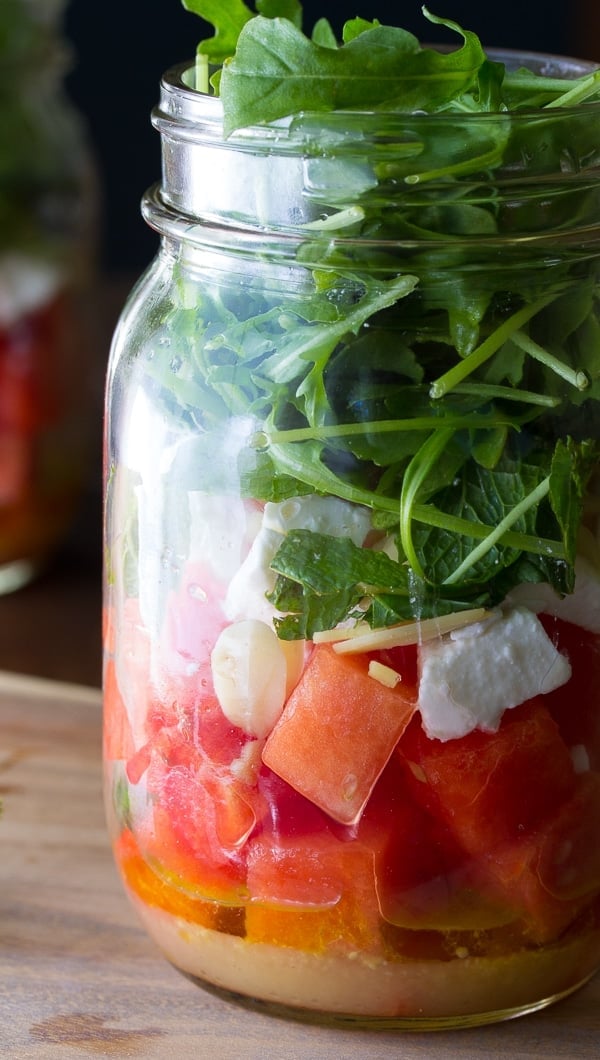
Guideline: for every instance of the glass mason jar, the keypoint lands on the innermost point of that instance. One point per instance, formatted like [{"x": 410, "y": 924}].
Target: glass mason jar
[
  {"x": 47, "y": 240},
  {"x": 352, "y": 737}
]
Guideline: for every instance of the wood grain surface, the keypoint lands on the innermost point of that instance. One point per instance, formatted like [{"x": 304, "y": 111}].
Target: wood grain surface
[{"x": 78, "y": 977}]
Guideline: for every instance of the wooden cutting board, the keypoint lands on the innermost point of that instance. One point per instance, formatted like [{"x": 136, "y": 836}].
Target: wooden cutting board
[{"x": 78, "y": 977}]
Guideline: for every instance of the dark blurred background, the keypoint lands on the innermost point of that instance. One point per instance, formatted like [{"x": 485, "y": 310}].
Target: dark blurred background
[{"x": 122, "y": 47}]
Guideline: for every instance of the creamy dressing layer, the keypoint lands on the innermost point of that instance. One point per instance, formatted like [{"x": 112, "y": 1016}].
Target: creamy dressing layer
[{"x": 477, "y": 989}]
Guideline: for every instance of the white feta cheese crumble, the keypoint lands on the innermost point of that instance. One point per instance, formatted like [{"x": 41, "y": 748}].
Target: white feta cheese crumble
[
  {"x": 324, "y": 515},
  {"x": 246, "y": 593},
  {"x": 220, "y": 530},
  {"x": 470, "y": 677},
  {"x": 581, "y": 607}
]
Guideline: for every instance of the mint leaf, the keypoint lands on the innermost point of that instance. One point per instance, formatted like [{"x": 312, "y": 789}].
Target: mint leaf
[
  {"x": 306, "y": 612},
  {"x": 480, "y": 497},
  {"x": 324, "y": 578},
  {"x": 328, "y": 563},
  {"x": 572, "y": 465}
]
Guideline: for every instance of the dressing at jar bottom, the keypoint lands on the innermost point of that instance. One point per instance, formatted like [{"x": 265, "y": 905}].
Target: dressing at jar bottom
[{"x": 415, "y": 994}]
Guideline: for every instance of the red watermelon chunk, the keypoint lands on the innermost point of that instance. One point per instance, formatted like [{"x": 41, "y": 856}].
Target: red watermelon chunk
[
  {"x": 513, "y": 800},
  {"x": 337, "y": 731},
  {"x": 424, "y": 877},
  {"x": 492, "y": 788}
]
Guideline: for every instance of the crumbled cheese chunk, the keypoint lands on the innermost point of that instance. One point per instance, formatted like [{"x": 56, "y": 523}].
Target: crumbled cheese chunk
[
  {"x": 246, "y": 593},
  {"x": 581, "y": 607},
  {"x": 220, "y": 531},
  {"x": 468, "y": 680},
  {"x": 322, "y": 515},
  {"x": 325, "y": 515}
]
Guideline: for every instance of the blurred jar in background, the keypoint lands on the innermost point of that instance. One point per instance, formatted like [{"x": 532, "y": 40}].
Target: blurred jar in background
[{"x": 48, "y": 200}]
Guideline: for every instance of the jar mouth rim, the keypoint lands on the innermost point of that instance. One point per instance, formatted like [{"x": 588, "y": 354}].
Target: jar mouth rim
[
  {"x": 204, "y": 109},
  {"x": 281, "y": 242},
  {"x": 323, "y": 171}
]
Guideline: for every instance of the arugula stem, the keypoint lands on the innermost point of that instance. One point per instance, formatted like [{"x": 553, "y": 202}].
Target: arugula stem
[
  {"x": 201, "y": 73},
  {"x": 582, "y": 90},
  {"x": 462, "y": 369},
  {"x": 576, "y": 378},
  {"x": 454, "y": 524},
  {"x": 305, "y": 464},
  {"x": 488, "y": 543},
  {"x": 419, "y": 423},
  {"x": 488, "y": 391},
  {"x": 342, "y": 219},
  {"x": 321, "y": 479},
  {"x": 520, "y": 82},
  {"x": 320, "y": 339},
  {"x": 470, "y": 165},
  {"x": 414, "y": 476}
]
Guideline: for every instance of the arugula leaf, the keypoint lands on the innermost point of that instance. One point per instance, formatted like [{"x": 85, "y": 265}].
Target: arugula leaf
[
  {"x": 228, "y": 20},
  {"x": 271, "y": 70},
  {"x": 277, "y": 71},
  {"x": 323, "y": 34},
  {"x": 290, "y": 9},
  {"x": 354, "y": 26},
  {"x": 292, "y": 357}
]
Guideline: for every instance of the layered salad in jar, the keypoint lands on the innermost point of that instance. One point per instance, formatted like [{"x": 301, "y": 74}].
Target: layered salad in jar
[{"x": 352, "y": 622}]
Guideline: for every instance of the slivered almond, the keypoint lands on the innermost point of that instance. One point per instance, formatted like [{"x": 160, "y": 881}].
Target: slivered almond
[
  {"x": 386, "y": 675},
  {"x": 409, "y": 632},
  {"x": 328, "y": 636}
]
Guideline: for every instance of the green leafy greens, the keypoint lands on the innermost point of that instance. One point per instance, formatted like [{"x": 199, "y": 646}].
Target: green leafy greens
[
  {"x": 271, "y": 69},
  {"x": 442, "y": 366}
]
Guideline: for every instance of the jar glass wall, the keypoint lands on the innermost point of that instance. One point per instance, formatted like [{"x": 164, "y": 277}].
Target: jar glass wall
[
  {"x": 351, "y": 562},
  {"x": 47, "y": 244}
]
